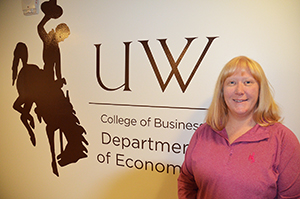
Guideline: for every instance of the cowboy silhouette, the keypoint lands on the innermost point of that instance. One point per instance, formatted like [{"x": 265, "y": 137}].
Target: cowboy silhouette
[{"x": 40, "y": 87}]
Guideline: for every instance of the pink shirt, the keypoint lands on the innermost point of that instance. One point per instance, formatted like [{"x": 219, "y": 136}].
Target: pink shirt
[{"x": 262, "y": 163}]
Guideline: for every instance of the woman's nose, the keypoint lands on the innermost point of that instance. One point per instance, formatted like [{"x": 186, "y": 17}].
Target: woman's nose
[{"x": 239, "y": 88}]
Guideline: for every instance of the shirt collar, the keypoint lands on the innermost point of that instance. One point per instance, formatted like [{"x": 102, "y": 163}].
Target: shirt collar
[{"x": 255, "y": 134}]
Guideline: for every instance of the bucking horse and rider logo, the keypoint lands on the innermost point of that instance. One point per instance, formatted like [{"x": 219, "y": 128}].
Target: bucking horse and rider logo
[{"x": 43, "y": 89}]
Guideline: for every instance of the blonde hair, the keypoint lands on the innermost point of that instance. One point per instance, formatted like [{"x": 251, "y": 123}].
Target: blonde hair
[{"x": 266, "y": 110}]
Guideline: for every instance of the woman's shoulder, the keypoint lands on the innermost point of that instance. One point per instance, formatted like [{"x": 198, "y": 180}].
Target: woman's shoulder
[
  {"x": 204, "y": 130},
  {"x": 282, "y": 132},
  {"x": 203, "y": 127},
  {"x": 279, "y": 128}
]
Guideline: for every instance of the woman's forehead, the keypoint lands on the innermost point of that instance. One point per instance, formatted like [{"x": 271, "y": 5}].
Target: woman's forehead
[
  {"x": 239, "y": 70},
  {"x": 242, "y": 71}
]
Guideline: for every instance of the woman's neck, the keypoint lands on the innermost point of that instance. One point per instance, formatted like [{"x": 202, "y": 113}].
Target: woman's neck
[{"x": 236, "y": 127}]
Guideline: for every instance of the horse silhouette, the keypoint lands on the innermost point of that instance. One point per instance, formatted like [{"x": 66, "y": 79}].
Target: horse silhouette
[{"x": 52, "y": 106}]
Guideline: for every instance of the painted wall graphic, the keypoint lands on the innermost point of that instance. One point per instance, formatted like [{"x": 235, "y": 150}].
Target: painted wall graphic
[
  {"x": 111, "y": 105},
  {"x": 42, "y": 88}
]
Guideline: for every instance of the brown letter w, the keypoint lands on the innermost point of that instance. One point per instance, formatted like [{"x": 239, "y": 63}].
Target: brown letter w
[{"x": 173, "y": 64}]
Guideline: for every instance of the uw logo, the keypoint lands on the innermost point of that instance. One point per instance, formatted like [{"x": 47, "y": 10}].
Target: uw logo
[{"x": 174, "y": 64}]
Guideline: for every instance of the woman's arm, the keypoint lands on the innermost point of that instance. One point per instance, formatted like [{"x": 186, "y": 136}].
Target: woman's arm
[
  {"x": 187, "y": 187},
  {"x": 289, "y": 167}
]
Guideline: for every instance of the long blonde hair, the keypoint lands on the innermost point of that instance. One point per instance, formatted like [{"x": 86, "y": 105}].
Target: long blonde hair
[{"x": 266, "y": 110}]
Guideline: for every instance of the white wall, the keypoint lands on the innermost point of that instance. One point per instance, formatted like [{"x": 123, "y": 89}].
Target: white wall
[{"x": 267, "y": 31}]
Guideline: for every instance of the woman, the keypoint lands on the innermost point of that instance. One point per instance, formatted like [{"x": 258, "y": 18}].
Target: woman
[{"x": 242, "y": 151}]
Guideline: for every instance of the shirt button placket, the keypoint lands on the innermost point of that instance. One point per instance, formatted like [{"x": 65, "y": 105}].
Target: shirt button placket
[{"x": 230, "y": 154}]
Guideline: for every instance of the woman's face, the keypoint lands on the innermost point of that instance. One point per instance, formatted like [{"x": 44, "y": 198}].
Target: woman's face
[{"x": 241, "y": 92}]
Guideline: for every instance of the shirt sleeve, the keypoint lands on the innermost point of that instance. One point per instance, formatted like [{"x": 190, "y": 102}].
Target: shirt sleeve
[
  {"x": 187, "y": 187},
  {"x": 289, "y": 167}
]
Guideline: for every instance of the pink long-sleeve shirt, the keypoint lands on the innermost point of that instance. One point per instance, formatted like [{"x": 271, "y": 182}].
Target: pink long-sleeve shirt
[{"x": 262, "y": 163}]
